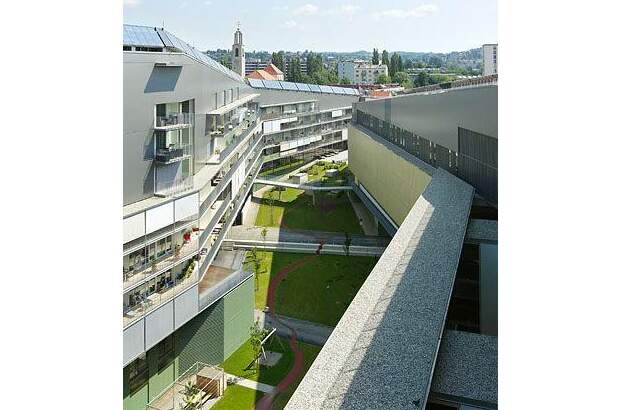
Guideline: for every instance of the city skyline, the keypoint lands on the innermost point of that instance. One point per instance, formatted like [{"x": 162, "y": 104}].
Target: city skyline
[{"x": 437, "y": 26}]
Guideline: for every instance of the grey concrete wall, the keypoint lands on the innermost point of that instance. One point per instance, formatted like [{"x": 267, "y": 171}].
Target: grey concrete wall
[
  {"x": 144, "y": 86},
  {"x": 325, "y": 101},
  {"x": 488, "y": 289},
  {"x": 437, "y": 116}
]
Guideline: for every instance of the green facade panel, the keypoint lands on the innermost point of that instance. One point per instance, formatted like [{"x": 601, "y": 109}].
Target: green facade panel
[{"x": 210, "y": 337}]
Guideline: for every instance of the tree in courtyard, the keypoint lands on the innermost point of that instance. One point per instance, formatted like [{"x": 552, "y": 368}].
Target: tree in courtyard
[
  {"x": 347, "y": 243},
  {"x": 270, "y": 200},
  {"x": 191, "y": 396},
  {"x": 256, "y": 338},
  {"x": 383, "y": 79},
  {"x": 375, "y": 56}
]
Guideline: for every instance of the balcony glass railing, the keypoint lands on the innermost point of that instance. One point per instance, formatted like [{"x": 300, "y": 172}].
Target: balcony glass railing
[
  {"x": 141, "y": 271},
  {"x": 175, "y": 120},
  {"x": 157, "y": 291},
  {"x": 175, "y": 187},
  {"x": 172, "y": 153}
]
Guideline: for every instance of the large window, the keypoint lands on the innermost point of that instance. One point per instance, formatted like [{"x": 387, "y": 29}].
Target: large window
[
  {"x": 165, "y": 350},
  {"x": 138, "y": 373}
]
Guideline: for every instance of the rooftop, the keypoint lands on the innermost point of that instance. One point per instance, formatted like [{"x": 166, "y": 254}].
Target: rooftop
[{"x": 390, "y": 334}]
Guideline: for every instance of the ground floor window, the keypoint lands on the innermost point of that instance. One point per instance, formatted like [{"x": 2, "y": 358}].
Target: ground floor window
[{"x": 138, "y": 373}]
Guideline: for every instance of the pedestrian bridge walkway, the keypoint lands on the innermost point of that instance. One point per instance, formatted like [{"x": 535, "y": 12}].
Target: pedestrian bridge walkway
[{"x": 309, "y": 187}]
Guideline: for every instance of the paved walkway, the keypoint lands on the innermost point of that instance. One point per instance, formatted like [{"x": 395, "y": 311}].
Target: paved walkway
[
  {"x": 366, "y": 218},
  {"x": 309, "y": 186},
  {"x": 250, "y": 384},
  {"x": 309, "y": 332},
  {"x": 253, "y": 233}
]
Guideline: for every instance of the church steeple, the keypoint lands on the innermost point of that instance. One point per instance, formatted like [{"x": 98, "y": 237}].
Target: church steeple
[{"x": 238, "y": 53}]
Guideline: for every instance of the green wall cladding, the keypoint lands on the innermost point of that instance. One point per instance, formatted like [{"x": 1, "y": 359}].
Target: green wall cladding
[
  {"x": 210, "y": 337},
  {"x": 217, "y": 332}
]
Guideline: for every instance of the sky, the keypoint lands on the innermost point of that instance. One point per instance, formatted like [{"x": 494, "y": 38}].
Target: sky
[{"x": 322, "y": 25}]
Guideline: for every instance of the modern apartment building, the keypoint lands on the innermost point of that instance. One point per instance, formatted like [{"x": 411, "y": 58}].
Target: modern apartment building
[
  {"x": 193, "y": 143},
  {"x": 360, "y": 71},
  {"x": 489, "y": 59},
  {"x": 421, "y": 333},
  {"x": 301, "y": 118},
  {"x": 254, "y": 65}
]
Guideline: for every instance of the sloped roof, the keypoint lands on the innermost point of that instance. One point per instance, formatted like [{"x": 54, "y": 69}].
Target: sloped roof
[
  {"x": 273, "y": 69},
  {"x": 261, "y": 75}
]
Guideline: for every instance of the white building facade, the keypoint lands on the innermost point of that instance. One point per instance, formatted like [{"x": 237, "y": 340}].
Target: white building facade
[
  {"x": 361, "y": 72},
  {"x": 489, "y": 59}
]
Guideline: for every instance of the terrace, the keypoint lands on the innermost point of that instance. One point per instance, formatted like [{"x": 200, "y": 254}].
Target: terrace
[{"x": 201, "y": 385}]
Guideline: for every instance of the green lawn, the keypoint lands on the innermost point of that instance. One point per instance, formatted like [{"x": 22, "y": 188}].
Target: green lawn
[
  {"x": 319, "y": 291},
  {"x": 237, "y": 398},
  {"x": 293, "y": 209},
  {"x": 237, "y": 364}
]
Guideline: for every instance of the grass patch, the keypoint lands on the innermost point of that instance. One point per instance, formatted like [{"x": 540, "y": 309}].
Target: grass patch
[
  {"x": 291, "y": 208},
  {"x": 319, "y": 291},
  {"x": 238, "y": 398},
  {"x": 310, "y": 353},
  {"x": 237, "y": 363}
]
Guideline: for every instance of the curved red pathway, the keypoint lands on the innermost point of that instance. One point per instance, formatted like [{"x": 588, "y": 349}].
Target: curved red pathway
[{"x": 266, "y": 401}]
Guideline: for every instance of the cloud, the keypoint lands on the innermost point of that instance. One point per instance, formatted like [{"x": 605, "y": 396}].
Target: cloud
[
  {"x": 131, "y": 3},
  {"x": 208, "y": 3},
  {"x": 279, "y": 8},
  {"x": 306, "y": 10},
  {"x": 290, "y": 24},
  {"x": 420, "y": 11},
  {"x": 344, "y": 10}
]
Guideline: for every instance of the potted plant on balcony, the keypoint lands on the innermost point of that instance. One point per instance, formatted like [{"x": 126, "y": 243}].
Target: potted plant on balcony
[
  {"x": 177, "y": 250},
  {"x": 191, "y": 396}
]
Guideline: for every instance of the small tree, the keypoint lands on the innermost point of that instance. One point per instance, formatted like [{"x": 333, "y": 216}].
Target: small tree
[
  {"x": 347, "y": 243},
  {"x": 383, "y": 79},
  {"x": 256, "y": 338}
]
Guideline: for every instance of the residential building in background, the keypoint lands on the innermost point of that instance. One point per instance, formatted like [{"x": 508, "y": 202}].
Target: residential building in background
[
  {"x": 361, "y": 71},
  {"x": 254, "y": 64},
  {"x": 238, "y": 53},
  {"x": 489, "y": 59}
]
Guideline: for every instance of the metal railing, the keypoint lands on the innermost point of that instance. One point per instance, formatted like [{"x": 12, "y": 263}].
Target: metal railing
[
  {"x": 145, "y": 301},
  {"x": 209, "y": 382},
  {"x": 153, "y": 268},
  {"x": 235, "y": 136},
  {"x": 175, "y": 120}
]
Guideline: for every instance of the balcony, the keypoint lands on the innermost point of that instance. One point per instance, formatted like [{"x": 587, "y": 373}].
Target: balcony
[
  {"x": 143, "y": 269},
  {"x": 159, "y": 290},
  {"x": 175, "y": 187},
  {"x": 210, "y": 382},
  {"x": 174, "y": 121},
  {"x": 232, "y": 138},
  {"x": 173, "y": 153}
]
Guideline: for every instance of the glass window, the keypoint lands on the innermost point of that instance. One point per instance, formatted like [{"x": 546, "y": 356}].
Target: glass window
[{"x": 138, "y": 373}]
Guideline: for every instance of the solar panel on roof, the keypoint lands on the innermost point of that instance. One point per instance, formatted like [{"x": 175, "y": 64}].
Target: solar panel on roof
[
  {"x": 338, "y": 90},
  {"x": 314, "y": 87},
  {"x": 272, "y": 84},
  {"x": 302, "y": 87},
  {"x": 288, "y": 86},
  {"x": 356, "y": 92},
  {"x": 256, "y": 83},
  {"x": 326, "y": 88},
  {"x": 140, "y": 36},
  {"x": 349, "y": 91}
]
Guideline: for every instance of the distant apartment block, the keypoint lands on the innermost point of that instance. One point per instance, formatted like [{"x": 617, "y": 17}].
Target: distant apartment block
[
  {"x": 489, "y": 59},
  {"x": 360, "y": 71}
]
